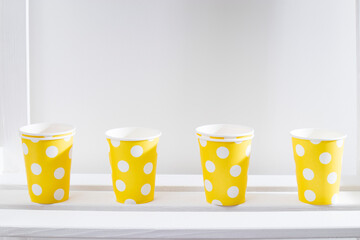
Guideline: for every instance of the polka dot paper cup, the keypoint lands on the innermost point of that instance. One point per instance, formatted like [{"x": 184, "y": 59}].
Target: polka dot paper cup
[
  {"x": 225, "y": 154},
  {"x": 318, "y": 156},
  {"x": 133, "y": 156},
  {"x": 47, "y": 152}
]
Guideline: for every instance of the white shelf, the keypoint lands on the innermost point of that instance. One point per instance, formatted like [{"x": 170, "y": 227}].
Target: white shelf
[
  {"x": 177, "y": 201},
  {"x": 179, "y": 211},
  {"x": 185, "y": 225}
]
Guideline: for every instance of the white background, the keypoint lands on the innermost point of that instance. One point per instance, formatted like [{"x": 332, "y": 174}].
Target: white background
[{"x": 177, "y": 64}]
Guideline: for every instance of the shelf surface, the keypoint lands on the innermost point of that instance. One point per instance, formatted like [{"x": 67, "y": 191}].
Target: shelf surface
[
  {"x": 178, "y": 211},
  {"x": 183, "y": 225},
  {"x": 177, "y": 201}
]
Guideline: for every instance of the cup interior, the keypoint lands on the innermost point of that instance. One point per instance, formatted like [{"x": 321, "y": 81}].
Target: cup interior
[
  {"x": 47, "y": 129},
  {"x": 317, "y": 134},
  {"x": 132, "y": 134},
  {"x": 224, "y": 130}
]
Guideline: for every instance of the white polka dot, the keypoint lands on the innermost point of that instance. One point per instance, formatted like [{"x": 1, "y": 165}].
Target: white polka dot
[
  {"x": 115, "y": 143},
  {"x": 35, "y": 140},
  {"x": 145, "y": 189},
  {"x": 315, "y": 141},
  {"x": 52, "y": 151},
  {"x": 208, "y": 186},
  {"x": 148, "y": 168},
  {"x": 235, "y": 170},
  {"x": 108, "y": 147},
  {"x": 222, "y": 152},
  {"x": 59, "y": 194},
  {"x": 130, "y": 201},
  {"x": 210, "y": 166},
  {"x": 120, "y": 185},
  {"x": 136, "y": 151},
  {"x": 216, "y": 202},
  {"x": 68, "y": 138},
  {"x": 36, "y": 189},
  {"x": 335, "y": 198},
  {"x": 123, "y": 166},
  {"x": 59, "y": 173},
  {"x": 309, "y": 195},
  {"x": 325, "y": 158},
  {"x": 300, "y": 151},
  {"x": 36, "y": 168},
  {"x": 332, "y": 177},
  {"x": 248, "y": 150},
  {"x": 203, "y": 142},
  {"x": 150, "y": 140},
  {"x": 25, "y": 148},
  {"x": 308, "y": 174},
  {"x": 233, "y": 192},
  {"x": 339, "y": 143},
  {"x": 70, "y": 153}
]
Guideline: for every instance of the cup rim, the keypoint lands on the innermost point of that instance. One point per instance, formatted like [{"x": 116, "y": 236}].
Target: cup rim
[
  {"x": 124, "y": 133},
  {"x": 223, "y": 130},
  {"x": 48, "y": 138},
  {"x": 318, "y": 134},
  {"x": 37, "y": 129},
  {"x": 235, "y": 140}
]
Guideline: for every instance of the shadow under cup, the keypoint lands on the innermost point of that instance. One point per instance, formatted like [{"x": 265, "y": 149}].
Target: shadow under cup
[
  {"x": 318, "y": 157},
  {"x": 47, "y": 149},
  {"x": 133, "y": 158}
]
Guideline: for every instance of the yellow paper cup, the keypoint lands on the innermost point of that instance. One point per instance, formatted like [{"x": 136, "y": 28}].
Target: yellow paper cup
[
  {"x": 47, "y": 149},
  {"x": 318, "y": 156},
  {"x": 225, "y": 154},
  {"x": 133, "y": 156}
]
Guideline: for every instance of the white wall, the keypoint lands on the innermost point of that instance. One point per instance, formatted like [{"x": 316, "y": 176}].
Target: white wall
[
  {"x": 275, "y": 65},
  {"x": 13, "y": 83}
]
